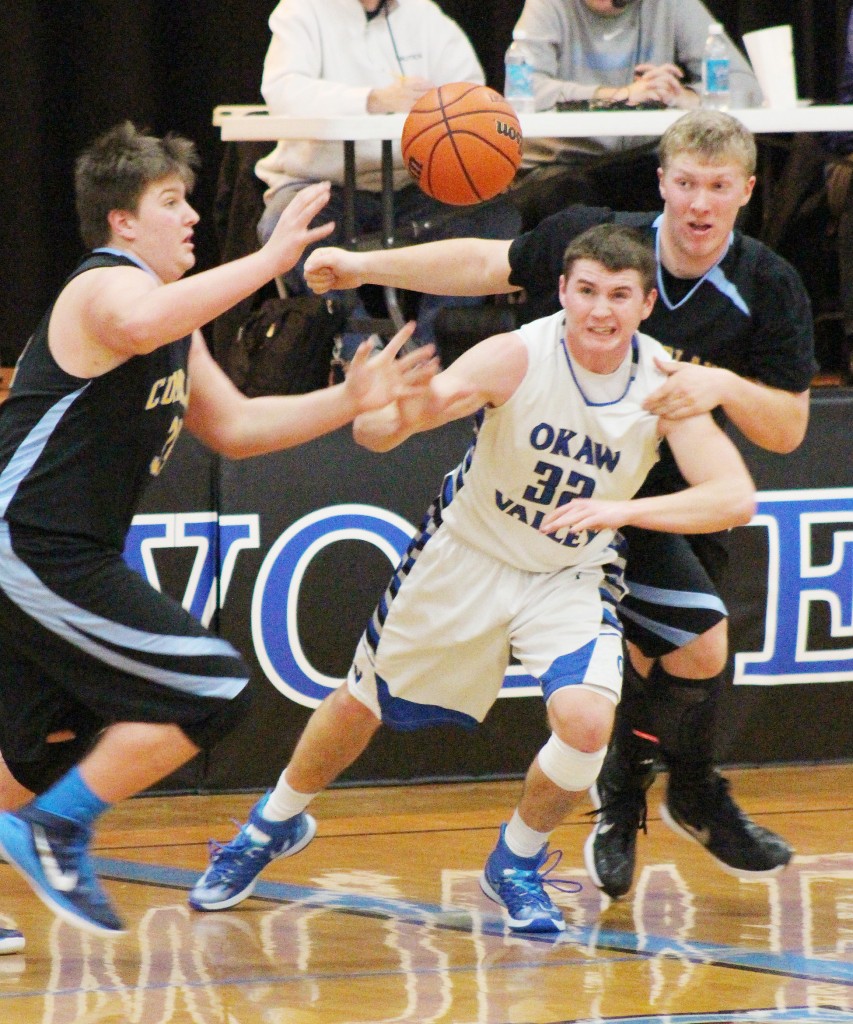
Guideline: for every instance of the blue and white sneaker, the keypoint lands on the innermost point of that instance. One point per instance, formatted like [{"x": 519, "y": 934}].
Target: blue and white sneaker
[
  {"x": 51, "y": 853},
  {"x": 235, "y": 866},
  {"x": 11, "y": 941},
  {"x": 518, "y": 884}
]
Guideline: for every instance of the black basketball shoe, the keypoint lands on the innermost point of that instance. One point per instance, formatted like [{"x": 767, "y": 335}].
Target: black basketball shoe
[
  {"x": 619, "y": 796},
  {"x": 699, "y": 807}
]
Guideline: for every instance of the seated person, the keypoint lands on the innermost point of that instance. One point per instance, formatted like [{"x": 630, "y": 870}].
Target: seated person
[
  {"x": 350, "y": 57},
  {"x": 614, "y": 52}
]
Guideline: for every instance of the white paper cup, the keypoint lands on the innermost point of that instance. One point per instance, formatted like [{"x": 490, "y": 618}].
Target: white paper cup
[{"x": 771, "y": 53}]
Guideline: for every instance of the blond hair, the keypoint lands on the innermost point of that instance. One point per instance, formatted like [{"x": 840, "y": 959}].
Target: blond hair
[{"x": 713, "y": 136}]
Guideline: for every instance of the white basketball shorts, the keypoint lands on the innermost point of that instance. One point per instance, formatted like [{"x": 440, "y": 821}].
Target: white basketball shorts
[{"x": 439, "y": 643}]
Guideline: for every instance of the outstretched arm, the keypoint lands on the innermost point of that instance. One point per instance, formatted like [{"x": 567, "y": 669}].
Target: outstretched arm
[
  {"x": 721, "y": 492},
  {"x": 486, "y": 374},
  {"x": 128, "y": 312},
  {"x": 454, "y": 266},
  {"x": 234, "y": 425}
]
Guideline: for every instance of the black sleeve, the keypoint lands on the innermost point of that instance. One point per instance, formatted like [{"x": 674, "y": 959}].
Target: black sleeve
[
  {"x": 536, "y": 257},
  {"x": 782, "y": 350}
]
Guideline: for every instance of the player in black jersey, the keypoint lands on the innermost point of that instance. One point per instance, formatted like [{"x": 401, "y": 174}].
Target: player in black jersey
[
  {"x": 737, "y": 320},
  {"x": 106, "y": 685}
]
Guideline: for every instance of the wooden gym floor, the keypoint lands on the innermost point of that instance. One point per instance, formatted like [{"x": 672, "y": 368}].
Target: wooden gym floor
[{"x": 381, "y": 919}]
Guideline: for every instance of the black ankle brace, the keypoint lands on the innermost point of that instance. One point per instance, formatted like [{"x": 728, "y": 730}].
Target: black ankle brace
[{"x": 683, "y": 713}]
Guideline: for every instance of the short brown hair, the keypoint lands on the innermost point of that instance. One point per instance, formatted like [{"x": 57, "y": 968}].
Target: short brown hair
[
  {"x": 711, "y": 135},
  {"x": 116, "y": 169},
  {"x": 616, "y": 247}
]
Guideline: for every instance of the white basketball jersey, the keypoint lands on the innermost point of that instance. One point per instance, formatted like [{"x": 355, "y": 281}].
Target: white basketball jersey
[{"x": 548, "y": 444}]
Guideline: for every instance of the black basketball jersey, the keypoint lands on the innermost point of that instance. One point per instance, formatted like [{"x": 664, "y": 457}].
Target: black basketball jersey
[
  {"x": 751, "y": 314},
  {"x": 76, "y": 453}
]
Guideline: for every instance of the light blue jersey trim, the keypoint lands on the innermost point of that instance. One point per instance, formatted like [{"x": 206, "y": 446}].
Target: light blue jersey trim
[
  {"x": 112, "y": 251},
  {"x": 719, "y": 280},
  {"x": 85, "y": 630},
  {"x": 31, "y": 448},
  {"x": 714, "y": 276},
  {"x": 676, "y": 598},
  {"x": 90, "y": 632},
  {"x": 677, "y": 637}
]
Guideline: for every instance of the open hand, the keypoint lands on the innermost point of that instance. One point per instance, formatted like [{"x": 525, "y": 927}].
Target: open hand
[
  {"x": 586, "y": 514},
  {"x": 376, "y": 380},
  {"x": 690, "y": 389},
  {"x": 293, "y": 231}
]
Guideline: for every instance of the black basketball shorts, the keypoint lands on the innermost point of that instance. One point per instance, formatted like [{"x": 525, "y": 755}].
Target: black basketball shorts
[
  {"x": 85, "y": 641},
  {"x": 673, "y": 583}
]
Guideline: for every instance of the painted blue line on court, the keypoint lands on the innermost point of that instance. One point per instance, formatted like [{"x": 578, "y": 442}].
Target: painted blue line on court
[
  {"x": 282, "y": 892},
  {"x": 788, "y": 964}
]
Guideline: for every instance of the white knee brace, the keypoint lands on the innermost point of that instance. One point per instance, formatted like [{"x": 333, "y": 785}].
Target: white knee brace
[{"x": 570, "y": 769}]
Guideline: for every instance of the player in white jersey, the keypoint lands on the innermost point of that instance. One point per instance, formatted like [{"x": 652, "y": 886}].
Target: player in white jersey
[{"x": 520, "y": 554}]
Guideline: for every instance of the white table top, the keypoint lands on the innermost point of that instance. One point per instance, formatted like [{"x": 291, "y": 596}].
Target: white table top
[{"x": 245, "y": 123}]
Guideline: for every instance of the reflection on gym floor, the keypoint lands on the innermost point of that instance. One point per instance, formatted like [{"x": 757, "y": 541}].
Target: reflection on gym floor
[{"x": 382, "y": 919}]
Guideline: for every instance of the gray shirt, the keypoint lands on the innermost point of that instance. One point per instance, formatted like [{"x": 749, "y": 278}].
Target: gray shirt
[{"x": 574, "y": 50}]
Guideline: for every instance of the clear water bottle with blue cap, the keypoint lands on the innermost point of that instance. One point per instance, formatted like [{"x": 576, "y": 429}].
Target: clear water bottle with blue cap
[{"x": 518, "y": 85}]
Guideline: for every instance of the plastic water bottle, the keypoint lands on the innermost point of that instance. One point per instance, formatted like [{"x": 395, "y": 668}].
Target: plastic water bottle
[
  {"x": 715, "y": 70},
  {"x": 518, "y": 85}
]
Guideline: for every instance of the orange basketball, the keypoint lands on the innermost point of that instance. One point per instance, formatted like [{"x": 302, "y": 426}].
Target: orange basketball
[{"x": 462, "y": 143}]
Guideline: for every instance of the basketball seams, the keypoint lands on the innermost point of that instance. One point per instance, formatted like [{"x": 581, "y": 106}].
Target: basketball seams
[
  {"x": 456, "y": 99},
  {"x": 441, "y": 104},
  {"x": 483, "y": 143},
  {"x": 469, "y": 133},
  {"x": 449, "y": 136},
  {"x": 450, "y": 127},
  {"x": 459, "y": 162},
  {"x": 473, "y": 113}
]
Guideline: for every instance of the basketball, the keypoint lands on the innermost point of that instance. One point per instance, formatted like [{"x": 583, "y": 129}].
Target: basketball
[{"x": 462, "y": 143}]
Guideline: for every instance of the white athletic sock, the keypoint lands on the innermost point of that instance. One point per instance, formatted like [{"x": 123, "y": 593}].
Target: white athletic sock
[
  {"x": 285, "y": 802},
  {"x": 522, "y": 840}
]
